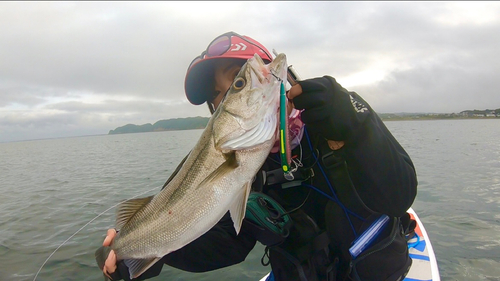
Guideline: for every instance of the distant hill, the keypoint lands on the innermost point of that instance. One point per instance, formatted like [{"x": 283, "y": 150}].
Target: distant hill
[
  {"x": 191, "y": 123},
  {"x": 466, "y": 114},
  {"x": 188, "y": 123}
]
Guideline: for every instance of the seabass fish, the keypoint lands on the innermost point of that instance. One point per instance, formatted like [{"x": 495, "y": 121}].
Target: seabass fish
[{"x": 216, "y": 176}]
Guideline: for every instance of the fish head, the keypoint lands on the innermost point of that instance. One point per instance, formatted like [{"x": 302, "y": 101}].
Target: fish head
[{"x": 248, "y": 115}]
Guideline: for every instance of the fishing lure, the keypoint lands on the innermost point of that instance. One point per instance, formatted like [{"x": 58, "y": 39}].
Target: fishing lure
[{"x": 284, "y": 133}]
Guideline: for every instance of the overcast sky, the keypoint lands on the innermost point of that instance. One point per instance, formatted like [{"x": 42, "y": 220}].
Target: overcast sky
[{"x": 72, "y": 68}]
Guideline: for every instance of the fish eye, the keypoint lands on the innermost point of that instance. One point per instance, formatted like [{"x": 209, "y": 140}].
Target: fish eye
[{"x": 239, "y": 83}]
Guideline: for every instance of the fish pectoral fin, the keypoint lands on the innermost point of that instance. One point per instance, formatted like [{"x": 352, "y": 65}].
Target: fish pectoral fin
[
  {"x": 225, "y": 168},
  {"x": 128, "y": 209},
  {"x": 239, "y": 206},
  {"x": 136, "y": 267}
]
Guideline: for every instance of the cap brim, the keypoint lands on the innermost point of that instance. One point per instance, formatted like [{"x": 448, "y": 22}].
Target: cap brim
[{"x": 199, "y": 80}]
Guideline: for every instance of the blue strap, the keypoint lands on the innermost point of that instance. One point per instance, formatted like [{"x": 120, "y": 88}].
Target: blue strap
[
  {"x": 414, "y": 244},
  {"x": 334, "y": 198},
  {"x": 270, "y": 277}
]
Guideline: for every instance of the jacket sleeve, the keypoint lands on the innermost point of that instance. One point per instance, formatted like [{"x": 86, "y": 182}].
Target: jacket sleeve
[
  {"x": 380, "y": 169},
  {"x": 219, "y": 247}
]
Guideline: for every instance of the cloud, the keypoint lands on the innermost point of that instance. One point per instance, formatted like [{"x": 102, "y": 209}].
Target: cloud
[
  {"x": 75, "y": 67},
  {"x": 446, "y": 84}
]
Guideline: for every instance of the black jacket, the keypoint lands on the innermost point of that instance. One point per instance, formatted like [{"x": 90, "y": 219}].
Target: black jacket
[{"x": 382, "y": 174}]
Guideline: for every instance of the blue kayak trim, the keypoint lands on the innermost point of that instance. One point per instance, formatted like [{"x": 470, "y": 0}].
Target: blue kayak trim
[
  {"x": 420, "y": 246},
  {"x": 419, "y": 257}
]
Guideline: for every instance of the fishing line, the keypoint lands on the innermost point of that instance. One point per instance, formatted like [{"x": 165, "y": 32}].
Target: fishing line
[{"x": 81, "y": 228}]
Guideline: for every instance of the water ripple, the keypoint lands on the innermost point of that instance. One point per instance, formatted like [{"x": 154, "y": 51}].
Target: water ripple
[{"x": 51, "y": 188}]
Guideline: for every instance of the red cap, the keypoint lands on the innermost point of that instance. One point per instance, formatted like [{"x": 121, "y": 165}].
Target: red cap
[{"x": 199, "y": 81}]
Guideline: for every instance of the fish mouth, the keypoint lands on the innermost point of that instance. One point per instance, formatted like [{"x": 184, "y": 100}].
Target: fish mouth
[{"x": 262, "y": 73}]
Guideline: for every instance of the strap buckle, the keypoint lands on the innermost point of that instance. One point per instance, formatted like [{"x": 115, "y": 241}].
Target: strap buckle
[
  {"x": 331, "y": 161},
  {"x": 289, "y": 179}
]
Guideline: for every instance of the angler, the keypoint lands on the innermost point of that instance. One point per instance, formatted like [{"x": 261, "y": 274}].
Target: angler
[{"x": 348, "y": 172}]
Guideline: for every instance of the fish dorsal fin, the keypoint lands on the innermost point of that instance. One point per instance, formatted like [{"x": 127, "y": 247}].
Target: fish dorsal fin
[
  {"x": 239, "y": 206},
  {"x": 128, "y": 209},
  {"x": 225, "y": 168},
  {"x": 136, "y": 267}
]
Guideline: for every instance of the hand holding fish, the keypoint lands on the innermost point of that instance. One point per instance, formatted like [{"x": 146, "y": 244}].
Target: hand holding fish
[
  {"x": 295, "y": 90},
  {"x": 110, "y": 263}
]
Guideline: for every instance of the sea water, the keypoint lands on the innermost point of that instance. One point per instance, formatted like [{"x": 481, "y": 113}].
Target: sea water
[{"x": 52, "y": 188}]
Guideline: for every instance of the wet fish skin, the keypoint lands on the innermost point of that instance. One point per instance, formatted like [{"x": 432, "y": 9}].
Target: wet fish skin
[{"x": 216, "y": 176}]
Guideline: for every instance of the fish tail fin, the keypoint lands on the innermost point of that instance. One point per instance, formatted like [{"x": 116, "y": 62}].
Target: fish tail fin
[
  {"x": 101, "y": 255},
  {"x": 136, "y": 267}
]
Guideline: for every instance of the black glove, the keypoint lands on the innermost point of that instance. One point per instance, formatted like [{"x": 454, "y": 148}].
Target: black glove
[{"x": 329, "y": 109}]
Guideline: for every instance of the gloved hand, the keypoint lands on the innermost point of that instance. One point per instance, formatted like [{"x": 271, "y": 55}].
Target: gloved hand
[{"x": 329, "y": 109}]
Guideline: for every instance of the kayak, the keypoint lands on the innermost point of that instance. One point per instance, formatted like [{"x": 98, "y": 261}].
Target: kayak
[{"x": 424, "y": 265}]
